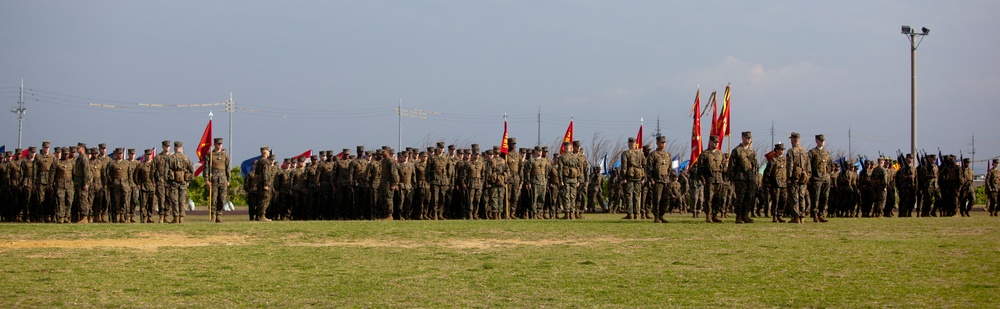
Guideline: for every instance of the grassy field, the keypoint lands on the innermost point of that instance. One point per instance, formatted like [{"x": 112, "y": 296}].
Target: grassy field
[{"x": 598, "y": 262}]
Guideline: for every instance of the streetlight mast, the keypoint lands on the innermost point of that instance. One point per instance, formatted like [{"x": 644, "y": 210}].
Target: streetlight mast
[{"x": 912, "y": 37}]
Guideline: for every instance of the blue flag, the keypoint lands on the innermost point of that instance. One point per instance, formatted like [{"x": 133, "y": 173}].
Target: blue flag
[
  {"x": 684, "y": 164},
  {"x": 247, "y": 166},
  {"x": 3, "y": 148},
  {"x": 604, "y": 165}
]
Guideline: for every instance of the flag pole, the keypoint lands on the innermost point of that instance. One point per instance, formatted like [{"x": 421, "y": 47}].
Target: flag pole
[
  {"x": 208, "y": 167},
  {"x": 506, "y": 191}
]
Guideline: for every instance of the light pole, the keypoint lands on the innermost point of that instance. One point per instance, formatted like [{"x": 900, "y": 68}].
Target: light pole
[{"x": 912, "y": 37}]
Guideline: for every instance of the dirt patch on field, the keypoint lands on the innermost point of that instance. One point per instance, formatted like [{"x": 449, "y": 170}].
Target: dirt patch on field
[
  {"x": 142, "y": 241},
  {"x": 467, "y": 243}
]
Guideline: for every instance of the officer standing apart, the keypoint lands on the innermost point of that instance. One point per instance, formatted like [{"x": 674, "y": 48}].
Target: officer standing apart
[
  {"x": 218, "y": 179},
  {"x": 819, "y": 183}
]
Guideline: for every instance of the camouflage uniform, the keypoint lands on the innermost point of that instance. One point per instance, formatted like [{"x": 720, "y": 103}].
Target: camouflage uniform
[
  {"x": 776, "y": 181},
  {"x": 82, "y": 177},
  {"x": 570, "y": 173},
  {"x": 742, "y": 172},
  {"x": 992, "y": 187},
  {"x": 709, "y": 170},
  {"x": 146, "y": 185},
  {"x": 181, "y": 171},
  {"x": 633, "y": 166},
  {"x": 62, "y": 180},
  {"x": 819, "y": 182},
  {"x": 660, "y": 174},
  {"x": 798, "y": 175},
  {"x": 474, "y": 176}
]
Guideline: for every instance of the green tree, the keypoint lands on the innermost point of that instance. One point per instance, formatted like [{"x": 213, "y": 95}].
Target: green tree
[{"x": 197, "y": 191}]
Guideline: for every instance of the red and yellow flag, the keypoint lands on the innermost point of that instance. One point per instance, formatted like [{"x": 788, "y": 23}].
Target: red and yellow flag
[
  {"x": 723, "y": 127},
  {"x": 503, "y": 142},
  {"x": 205, "y": 145},
  {"x": 696, "y": 128},
  {"x": 638, "y": 138},
  {"x": 567, "y": 138}
]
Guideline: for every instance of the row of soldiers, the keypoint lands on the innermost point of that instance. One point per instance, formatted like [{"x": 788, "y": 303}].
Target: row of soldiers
[
  {"x": 86, "y": 185},
  {"x": 498, "y": 183}
]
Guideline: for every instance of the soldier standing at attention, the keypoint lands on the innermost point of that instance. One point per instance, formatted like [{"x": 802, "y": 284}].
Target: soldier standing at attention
[
  {"x": 82, "y": 177},
  {"x": 819, "y": 183},
  {"x": 537, "y": 182},
  {"x": 144, "y": 182},
  {"x": 264, "y": 170},
  {"x": 967, "y": 197},
  {"x": 659, "y": 174},
  {"x": 632, "y": 165},
  {"x": 950, "y": 179},
  {"x": 743, "y": 173},
  {"x": 474, "y": 175},
  {"x": 595, "y": 196},
  {"x": 438, "y": 176},
  {"x": 407, "y": 178},
  {"x": 344, "y": 192},
  {"x": 29, "y": 208},
  {"x": 581, "y": 195},
  {"x": 180, "y": 175},
  {"x": 496, "y": 181},
  {"x": 62, "y": 181},
  {"x": 514, "y": 180},
  {"x": 160, "y": 178},
  {"x": 422, "y": 196},
  {"x": 709, "y": 170},
  {"x": 218, "y": 179},
  {"x": 798, "y": 177},
  {"x": 44, "y": 163},
  {"x": 360, "y": 184},
  {"x": 993, "y": 186},
  {"x": 117, "y": 172},
  {"x": 776, "y": 180},
  {"x": 569, "y": 179}
]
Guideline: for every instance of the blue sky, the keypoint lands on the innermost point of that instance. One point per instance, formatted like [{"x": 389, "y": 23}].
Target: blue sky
[{"x": 327, "y": 74}]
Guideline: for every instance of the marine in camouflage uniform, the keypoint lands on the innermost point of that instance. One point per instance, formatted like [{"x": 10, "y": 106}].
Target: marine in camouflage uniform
[
  {"x": 361, "y": 185},
  {"x": 775, "y": 181},
  {"x": 496, "y": 174},
  {"x": 950, "y": 179},
  {"x": 62, "y": 181},
  {"x": 438, "y": 175},
  {"x": 537, "y": 183},
  {"x": 44, "y": 163},
  {"x": 143, "y": 179},
  {"x": 118, "y": 175},
  {"x": 595, "y": 190},
  {"x": 993, "y": 186},
  {"x": 82, "y": 177},
  {"x": 928, "y": 183},
  {"x": 633, "y": 166},
  {"x": 966, "y": 194},
  {"x": 29, "y": 207},
  {"x": 407, "y": 180},
  {"x": 343, "y": 195},
  {"x": 474, "y": 178},
  {"x": 264, "y": 172},
  {"x": 819, "y": 181},
  {"x": 570, "y": 174},
  {"x": 878, "y": 180},
  {"x": 659, "y": 172},
  {"x": 181, "y": 171},
  {"x": 581, "y": 194},
  {"x": 709, "y": 169},
  {"x": 218, "y": 175},
  {"x": 742, "y": 172},
  {"x": 798, "y": 176},
  {"x": 422, "y": 196},
  {"x": 161, "y": 169},
  {"x": 906, "y": 187}
]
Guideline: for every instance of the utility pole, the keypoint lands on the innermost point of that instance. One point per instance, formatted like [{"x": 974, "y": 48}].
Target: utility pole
[
  {"x": 19, "y": 110},
  {"x": 539, "y": 143},
  {"x": 973, "y": 152},
  {"x": 230, "y": 108},
  {"x": 772, "y": 133},
  {"x": 658, "y": 125},
  {"x": 414, "y": 113}
]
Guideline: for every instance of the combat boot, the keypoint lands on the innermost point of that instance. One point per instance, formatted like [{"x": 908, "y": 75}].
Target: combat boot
[
  {"x": 180, "y": 220},
  {"x": 815, "y": 217},
  {"x": 662, "y": 220},
  {"x": 821, "y": 219},
  {"x": 779, "y": 219},
  {"x": 715, "y": 219},
  {"x": 739, "y": 219},
  {"x": 174, "y": 220},
  {"x": 627, "y": 217},
  {"x": 747, "y": 219},
  {"x": 219, "y": 220}
]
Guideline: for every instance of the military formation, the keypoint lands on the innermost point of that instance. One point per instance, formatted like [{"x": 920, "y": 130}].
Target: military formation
[
  {"x": 86, "y": 185},
  {"x": 77, "y": 184}
]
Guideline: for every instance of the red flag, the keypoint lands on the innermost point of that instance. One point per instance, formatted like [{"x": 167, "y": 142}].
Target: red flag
[
  {"x": 638, "y": 138},
  {"x": 205, "y": 145},
  {"x": 306, "y": 154},
  {"x": 696, "y": 128},
  {"x": 770, "y": 155},
  {"x": 24, "y": 154},
  {"x": 715, "y": 117},
  {"x": 567, "y": 138},
  {"x": 503, "y": 142}
]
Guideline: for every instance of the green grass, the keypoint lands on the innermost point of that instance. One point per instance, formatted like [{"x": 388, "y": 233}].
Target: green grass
[{"x": 598, "y": 262}]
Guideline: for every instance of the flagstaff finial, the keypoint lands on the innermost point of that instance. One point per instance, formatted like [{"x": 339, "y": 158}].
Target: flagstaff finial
[{"x": 210, "y": 115}]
